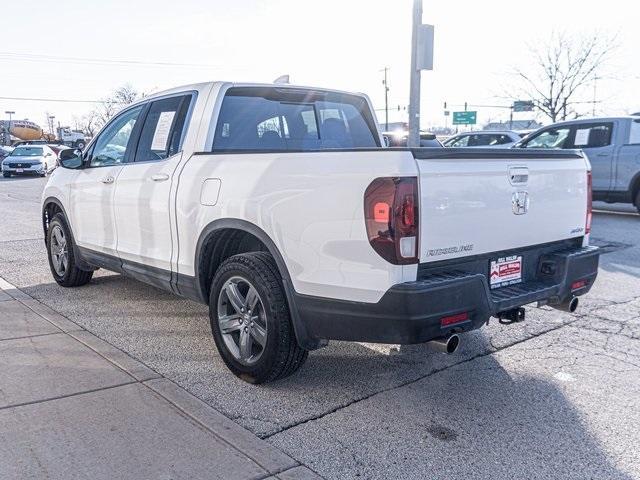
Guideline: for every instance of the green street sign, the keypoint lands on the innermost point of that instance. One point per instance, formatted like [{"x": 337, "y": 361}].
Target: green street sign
[
  {"x": 464, "y": 118},
  {"x": 523, "y": 106}
]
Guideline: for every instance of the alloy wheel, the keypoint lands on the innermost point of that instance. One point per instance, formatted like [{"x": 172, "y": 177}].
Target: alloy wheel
[
  {"x": 59, "y": 251},
  {"x": 242, "y": 320}
]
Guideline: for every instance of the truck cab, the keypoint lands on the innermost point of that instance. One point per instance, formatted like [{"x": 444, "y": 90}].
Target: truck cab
[{"x": 612, "y": 145}]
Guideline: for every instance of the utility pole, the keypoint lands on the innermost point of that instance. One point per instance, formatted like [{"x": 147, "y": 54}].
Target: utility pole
[
  {"x": 414, "y": 93},
  {"x": 8, "y": 129},
  {"x": 386, "y": 99},
  {"x": 595, "y": 97},
  {"x": 51, "y": 118}
]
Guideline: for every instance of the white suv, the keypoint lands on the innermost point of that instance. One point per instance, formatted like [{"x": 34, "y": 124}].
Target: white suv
[{"x": 278, "y": 207}]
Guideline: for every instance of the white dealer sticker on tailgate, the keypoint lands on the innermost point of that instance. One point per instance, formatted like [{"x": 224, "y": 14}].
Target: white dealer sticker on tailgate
[{"x": 505, "y": 271}]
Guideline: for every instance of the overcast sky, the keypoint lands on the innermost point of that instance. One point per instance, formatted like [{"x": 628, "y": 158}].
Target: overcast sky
[{"x": 339, "y": 44}]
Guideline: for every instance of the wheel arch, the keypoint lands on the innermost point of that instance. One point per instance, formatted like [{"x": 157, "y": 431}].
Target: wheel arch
[
  {"x": 216, "y": 243},
  {"x": 51, "y": 206}
]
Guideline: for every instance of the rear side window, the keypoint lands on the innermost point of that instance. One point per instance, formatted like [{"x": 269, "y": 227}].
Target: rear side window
[
  {"x": 162, "y": 132},
  {"x": 296, "y": 120},
  {"x": 634, "y": 135},
  {"x": 592, "y": 135}
]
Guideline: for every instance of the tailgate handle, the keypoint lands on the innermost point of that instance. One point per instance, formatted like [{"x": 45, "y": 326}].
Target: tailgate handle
[{"x": 518, "y": 175}]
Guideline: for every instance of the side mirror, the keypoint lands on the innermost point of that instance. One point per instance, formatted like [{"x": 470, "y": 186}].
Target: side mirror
[{"x": 71, "y": 158}]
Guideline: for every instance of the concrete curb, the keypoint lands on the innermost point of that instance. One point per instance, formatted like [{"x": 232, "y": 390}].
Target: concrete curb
[
  {"x": 275, "y": 462},
  {"x": 261, "y": 452}
]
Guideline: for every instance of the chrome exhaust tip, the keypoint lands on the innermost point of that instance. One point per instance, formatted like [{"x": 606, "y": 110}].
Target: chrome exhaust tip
[
  {"x": 570, "y": 306},
  {"x": 446, "y": 345}
]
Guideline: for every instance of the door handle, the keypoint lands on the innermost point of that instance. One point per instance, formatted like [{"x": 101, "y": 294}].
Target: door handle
[
  {"x": 109, "y": 179},
  {"x": 603, "y": 154},
  {"x": 160, "y": 177}
]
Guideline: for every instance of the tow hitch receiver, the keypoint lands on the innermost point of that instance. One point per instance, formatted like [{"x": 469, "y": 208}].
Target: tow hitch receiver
[{"x": 511, "y": 316}]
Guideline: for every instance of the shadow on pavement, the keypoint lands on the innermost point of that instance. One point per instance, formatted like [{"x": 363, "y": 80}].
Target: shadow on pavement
[
  {"x": 475, "y": 420},
  {"x": 352, "y": 409}
]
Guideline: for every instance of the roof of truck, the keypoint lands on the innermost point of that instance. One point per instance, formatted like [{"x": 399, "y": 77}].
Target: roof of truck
[
  {"x": 597, "y": 119},
  {"x": 202, "y": 86}
]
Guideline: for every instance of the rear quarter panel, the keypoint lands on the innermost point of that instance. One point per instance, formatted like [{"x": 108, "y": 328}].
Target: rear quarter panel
[{"x": 310, "y": 205}]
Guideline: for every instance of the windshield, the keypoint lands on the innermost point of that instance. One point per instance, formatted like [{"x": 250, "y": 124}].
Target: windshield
[{"x": 27, "y": 152}]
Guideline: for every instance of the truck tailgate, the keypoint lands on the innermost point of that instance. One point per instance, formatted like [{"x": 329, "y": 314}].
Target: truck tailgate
[{"x": 480, "y": 201}]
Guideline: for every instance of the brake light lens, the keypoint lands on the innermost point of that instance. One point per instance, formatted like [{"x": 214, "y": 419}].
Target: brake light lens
[
  {"x": 578, "y": 285},
  {"x": 392, "y": 220},
  {"x": 587, "y": 227},
  {"x": 454, "y": 319}
]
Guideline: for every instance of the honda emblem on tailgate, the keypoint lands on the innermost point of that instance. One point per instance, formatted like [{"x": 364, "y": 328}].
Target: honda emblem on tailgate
[{"x": 520, "y": 203}]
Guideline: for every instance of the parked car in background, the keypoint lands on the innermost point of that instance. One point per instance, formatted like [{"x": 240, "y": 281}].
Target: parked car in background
[
  {"x": 5, "y": 152},
  {"x": 57, "y": 149},
  {"x": 612, "y": 145},
  {"x": 30, "y": 160},
  {"x": 399, "y": 139},
  {"x": 482, "y": 139}
]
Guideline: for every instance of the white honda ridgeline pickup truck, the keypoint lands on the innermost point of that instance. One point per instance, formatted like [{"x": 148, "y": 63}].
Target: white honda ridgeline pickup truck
[{"x": 280, "y": 208}]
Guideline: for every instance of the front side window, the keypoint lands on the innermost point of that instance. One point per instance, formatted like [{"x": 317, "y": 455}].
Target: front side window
[
  {"x": 461, "y": 141},
  {"x": 162, "y": 132},
  {"x": 113, "y": 143},
  {"x": 551, "y": 138},
  {"x": 282, "y": 119}
]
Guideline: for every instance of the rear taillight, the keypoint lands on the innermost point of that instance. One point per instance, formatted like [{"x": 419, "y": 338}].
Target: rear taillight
[
  {"x": 392, "y": 220},
  {"x": 587, "y": 227}
]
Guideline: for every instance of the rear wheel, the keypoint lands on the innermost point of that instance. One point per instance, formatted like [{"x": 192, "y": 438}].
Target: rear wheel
[
  {"x": 61, "y": 258},
  {"x": 250, "y": 319},
  {"x": 637, "y": 202}
]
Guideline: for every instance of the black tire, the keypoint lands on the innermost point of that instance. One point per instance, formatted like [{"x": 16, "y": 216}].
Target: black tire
[
  {"x": 281, "y": 355},
  {"x": 72, "y": 276},
  {"x": 80, "y": 144},
  {"x": 6, "y": 175},
  {"x": 637, "y": 201}
]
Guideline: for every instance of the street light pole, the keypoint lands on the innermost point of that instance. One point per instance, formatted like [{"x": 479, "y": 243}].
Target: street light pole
[
  {"x": 414, "y": 93},
  {"x": 386, "y": 99}
]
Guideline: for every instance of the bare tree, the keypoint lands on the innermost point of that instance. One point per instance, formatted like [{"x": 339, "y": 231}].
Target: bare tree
[
  {"x": 125, "y": 95},
  {"x": 109, "y": 106},
  {"x": 87, "y": 123},
  {"x": 561, "y": 69}
]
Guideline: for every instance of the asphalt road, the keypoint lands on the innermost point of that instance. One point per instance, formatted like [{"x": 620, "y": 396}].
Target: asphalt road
[{"x": 557, "y": 396}]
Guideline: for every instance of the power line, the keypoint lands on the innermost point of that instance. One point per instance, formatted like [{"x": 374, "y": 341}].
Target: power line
[
  {"x": 60, "y": 100},
  {"x": 33, "y": 57}
]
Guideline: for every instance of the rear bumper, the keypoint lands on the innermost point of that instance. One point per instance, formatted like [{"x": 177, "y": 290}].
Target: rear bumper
[{"x": 412, "y": 312}]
